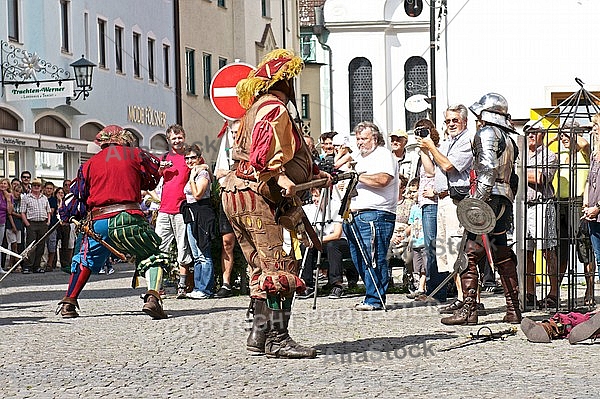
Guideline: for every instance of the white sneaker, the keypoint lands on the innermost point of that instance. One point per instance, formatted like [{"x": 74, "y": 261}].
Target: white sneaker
[
  {"x": 197, "y": 295},
  {"x": 102, "y": 271},
  {"x": 111, "y": 271}
]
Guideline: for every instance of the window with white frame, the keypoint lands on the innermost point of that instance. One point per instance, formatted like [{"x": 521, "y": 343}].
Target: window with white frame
[
  {"x": 151, "y": 59},
  {"x": 136, "y": 55},
  {"x": 166, "y": 66},
  {"x": 13, "y": 20},
  {"x": 101, "y": 43},
  {"x": 119, "y": 49},
  {"x": 64, "y": 25}
]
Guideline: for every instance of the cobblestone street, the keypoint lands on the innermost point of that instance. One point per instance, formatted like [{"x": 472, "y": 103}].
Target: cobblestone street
[{"x": 113, "y": 350}]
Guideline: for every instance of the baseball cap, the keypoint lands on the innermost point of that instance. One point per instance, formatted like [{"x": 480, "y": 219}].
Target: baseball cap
[{"x": 399, "y": 133}]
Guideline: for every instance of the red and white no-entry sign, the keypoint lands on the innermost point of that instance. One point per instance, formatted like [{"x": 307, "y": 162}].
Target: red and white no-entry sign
[{"x": 222, "y": 89}]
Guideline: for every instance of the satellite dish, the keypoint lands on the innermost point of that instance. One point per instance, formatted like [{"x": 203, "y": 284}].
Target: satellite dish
[{"x": 416, "y": 103}]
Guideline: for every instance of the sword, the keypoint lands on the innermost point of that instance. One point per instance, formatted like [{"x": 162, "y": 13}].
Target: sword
[
  {"x": 25, "y": 254},
  {"x": 11, "y": 253},
  {"x": 484, "y": 334},
  {"x": 87, "y": 230}
]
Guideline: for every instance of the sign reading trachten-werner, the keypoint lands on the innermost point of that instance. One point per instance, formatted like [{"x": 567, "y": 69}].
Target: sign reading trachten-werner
[{"x": 40, "y": 90}]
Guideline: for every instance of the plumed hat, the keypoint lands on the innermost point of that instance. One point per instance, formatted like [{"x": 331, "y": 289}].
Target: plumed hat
[
  {"x": 278, "y": 65},
  {"x": 113, "y": 134}
]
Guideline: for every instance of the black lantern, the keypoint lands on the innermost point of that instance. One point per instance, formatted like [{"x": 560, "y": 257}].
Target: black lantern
[{"x": 83, "y": 77}]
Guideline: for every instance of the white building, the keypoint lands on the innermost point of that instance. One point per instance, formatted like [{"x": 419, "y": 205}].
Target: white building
[
  {"x": 529, "y": 51},
  {"x": 132, "y": 83}
]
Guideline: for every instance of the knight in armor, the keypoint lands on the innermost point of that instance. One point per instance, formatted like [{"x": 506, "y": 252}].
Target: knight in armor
[
  {"x": 270, "y": 157},
  {"x": 494, "y": 155}
]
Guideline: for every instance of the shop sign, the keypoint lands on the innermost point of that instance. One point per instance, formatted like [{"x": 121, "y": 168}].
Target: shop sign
[
  {"x": 146, "y": 116},
  {"x": 64, "y": 147},
  {"x": 39, "y": 90},
  {"x": 18, "y": 141}
]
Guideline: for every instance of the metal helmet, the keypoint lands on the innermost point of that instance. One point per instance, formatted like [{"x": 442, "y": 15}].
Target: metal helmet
[{"x": 492, "y": 108}]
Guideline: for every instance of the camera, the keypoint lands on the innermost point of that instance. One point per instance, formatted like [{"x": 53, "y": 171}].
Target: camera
[{"x": 422, "y": 131}]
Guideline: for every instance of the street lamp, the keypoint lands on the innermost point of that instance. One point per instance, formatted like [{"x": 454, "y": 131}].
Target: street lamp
[{"x": 83, "y": 77}]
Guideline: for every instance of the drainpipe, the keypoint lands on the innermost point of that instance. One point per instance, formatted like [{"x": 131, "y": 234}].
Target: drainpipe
[
  {"x": 283, "y": 26},
  {"x": 432, "y": 58},
  {"x": 318, "y": 30},
  {"x": 178, "y": 105}
]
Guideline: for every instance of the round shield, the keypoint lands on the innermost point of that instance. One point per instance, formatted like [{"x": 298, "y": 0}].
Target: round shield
[{"x": 476, "y": 216}]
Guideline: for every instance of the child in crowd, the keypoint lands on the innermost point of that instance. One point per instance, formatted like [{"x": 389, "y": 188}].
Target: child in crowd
[{"x": 417, "y": 240}]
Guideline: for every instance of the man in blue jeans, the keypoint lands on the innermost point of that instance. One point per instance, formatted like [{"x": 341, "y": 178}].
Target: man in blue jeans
[{"x": 373, "y": 213}]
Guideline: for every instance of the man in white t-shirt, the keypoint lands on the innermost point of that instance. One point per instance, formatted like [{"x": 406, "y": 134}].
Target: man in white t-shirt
[{"x": 373, "y": 211}]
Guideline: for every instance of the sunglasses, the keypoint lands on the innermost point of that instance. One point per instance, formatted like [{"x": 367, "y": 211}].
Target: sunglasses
[
  {"x": 453, "y": 120},
  {"x": 190, "y": 157}
]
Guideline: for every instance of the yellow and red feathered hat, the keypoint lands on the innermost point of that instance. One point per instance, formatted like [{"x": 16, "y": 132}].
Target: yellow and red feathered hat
[
  {"x": 277, "y": 65},
  {"x": 113, "y": 134}
]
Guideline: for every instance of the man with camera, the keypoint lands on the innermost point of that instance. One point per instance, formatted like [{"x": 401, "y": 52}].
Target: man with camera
[{"x": 453, "y": 160}]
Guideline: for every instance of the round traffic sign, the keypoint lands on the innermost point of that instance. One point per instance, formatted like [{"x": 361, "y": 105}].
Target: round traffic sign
[{"x": 222, "y": 89}]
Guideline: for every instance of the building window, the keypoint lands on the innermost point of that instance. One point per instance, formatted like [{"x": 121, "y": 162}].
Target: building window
[
  {"x": 64, "y": 25},
  {"x": 413, "y": 8},
  {"x": 265, "y": 8},
  {"x": 308, "y": 48},
  {"x": 416, "y": 81},
  {"x": 190, "y": 78},
  {"x": 222, "y": 62},
  {"x": 136, "y": 55},
  {"x": 166, "y": 69},
  {"x": 206, "y": 65},
  {"x": 151, "y": 60},
  {"x": 305, "y": 107},
  {"x": 13, "y": 20},
  {"x": 360, "y": 73},
  {"x": 119, "y": 49},
  {"x": 101, "y": 43},
  {"x": 221, "y": 3}
]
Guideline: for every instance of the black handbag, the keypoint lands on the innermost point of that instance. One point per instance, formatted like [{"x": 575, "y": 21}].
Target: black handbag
[{"x": 458, "y": 192}]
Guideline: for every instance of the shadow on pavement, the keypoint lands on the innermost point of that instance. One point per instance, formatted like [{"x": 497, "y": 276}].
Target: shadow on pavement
[
  {"x": 194, "y": 312},
  {"x": 380, "y": 344}
]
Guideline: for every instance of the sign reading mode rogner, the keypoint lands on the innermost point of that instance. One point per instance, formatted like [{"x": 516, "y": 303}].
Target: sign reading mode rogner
[{"x": 40, "y": 90}]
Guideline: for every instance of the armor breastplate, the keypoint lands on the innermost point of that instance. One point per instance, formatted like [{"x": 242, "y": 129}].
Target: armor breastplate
[{"x": 493, "y": 162}]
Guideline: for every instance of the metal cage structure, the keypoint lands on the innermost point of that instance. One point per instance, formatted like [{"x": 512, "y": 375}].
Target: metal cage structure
[{"x": 558, "y": 258}]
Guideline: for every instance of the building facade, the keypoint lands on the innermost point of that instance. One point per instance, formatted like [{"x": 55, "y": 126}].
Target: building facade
[
  {"x": 133, "y": 81},
  {"x": 371, "y": 60},
  {"x": 215, "y": 33}
]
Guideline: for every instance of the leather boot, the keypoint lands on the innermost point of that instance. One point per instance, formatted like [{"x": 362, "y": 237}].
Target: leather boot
[
  {"x": 152, "y": 305},
  {"x": 467, "y": 314},
  {"x": 260, "y": 325},
  {"x": 280, "y": 344},
  {"x": 68, "y": 308},
  {"x": 506, "y": 262},
  {"x": 587, "y": 329},
  {"x": 542, "y": 332}
]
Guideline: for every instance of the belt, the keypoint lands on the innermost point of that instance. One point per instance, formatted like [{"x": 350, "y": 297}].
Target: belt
[
  {"x": 113, "y": 208},
  {"x": 443, "y": 194}
]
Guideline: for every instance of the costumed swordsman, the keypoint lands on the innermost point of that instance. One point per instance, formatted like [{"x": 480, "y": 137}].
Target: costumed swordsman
[
  {"x": 259, "y": 194},
  {"x": 106, "y": 197},
  {"x": 494, "y": 156}
]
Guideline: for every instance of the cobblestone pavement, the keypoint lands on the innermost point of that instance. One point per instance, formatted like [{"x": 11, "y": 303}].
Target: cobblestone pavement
[{"x": 113, "y": 350}]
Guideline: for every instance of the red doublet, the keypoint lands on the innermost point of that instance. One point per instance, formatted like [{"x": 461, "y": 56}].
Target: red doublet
[{"x": 113, "y": 177}]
